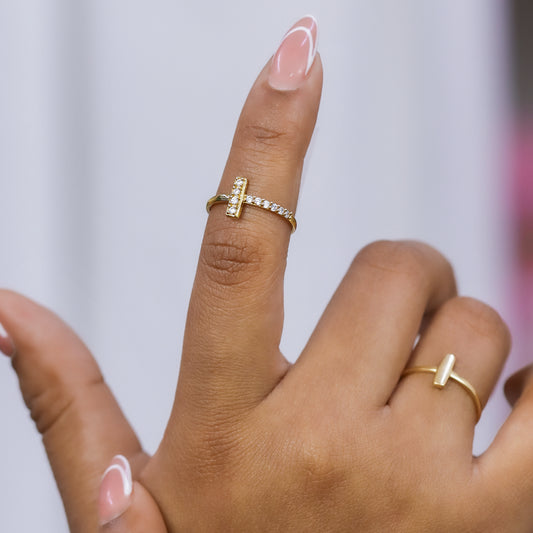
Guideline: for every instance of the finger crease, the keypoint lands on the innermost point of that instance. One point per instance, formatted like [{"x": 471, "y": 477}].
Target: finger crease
[{"x": 46, "y": 423}]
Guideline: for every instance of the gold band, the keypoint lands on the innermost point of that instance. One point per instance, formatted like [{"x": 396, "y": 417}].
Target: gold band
[
  {"x": 238, "y": 198},
  {"x": 444, "y": 372}
]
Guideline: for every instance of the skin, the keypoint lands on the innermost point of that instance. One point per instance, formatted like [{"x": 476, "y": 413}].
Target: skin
[{"x": 337, "y": 441}]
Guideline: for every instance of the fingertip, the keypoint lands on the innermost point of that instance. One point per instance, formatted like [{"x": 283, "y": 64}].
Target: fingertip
[
  {"x": 7, "y": 346},
  {"x": 115, "y": 491},
  {"x": 516, "y": 383},
  {"x": 295, "y": 56},
  {"x": 509, "y": 391},
  {"x": 134, "y": 513},
  {"x": 26, "y": 321},
  {"x": 36, "y": 333}
]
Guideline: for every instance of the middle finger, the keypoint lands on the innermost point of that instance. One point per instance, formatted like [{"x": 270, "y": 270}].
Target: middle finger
[{"x": 369, "y": 327}]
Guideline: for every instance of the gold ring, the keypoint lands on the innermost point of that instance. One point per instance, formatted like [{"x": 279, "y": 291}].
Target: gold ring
[
  {"x": 238, "y": 198},
  {"x": 444, "y": 372}
]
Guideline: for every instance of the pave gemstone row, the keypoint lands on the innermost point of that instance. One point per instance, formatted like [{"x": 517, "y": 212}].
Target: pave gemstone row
[
  {"x": 238, "y": 197},
  {"x": 266, "y": 204}
]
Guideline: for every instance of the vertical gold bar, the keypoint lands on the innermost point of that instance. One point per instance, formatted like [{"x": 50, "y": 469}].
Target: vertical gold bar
[
  {"x": 444, "y": 370},
  {"x": 236, "y": 198}
]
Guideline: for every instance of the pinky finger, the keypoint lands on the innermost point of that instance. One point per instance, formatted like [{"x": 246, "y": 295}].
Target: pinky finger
[{"x": 125, "y": 506}]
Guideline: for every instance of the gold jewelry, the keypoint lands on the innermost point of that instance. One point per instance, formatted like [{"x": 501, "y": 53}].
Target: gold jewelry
[
  {"x": 444, "y": 372},
  {"x": 238, "y": 198}
]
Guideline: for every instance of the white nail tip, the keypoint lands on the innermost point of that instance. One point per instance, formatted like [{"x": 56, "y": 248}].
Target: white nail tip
[
  {"x": 125, "y": 473},
  {"x": 125, "y": 463},
  {"x": 312, "y": 48},
  {"x": 311, "y": 52},
  {"x": 315, "y": 42}
]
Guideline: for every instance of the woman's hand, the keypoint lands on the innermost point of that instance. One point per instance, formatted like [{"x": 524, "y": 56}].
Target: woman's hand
[{"x": 337, "y": 441}]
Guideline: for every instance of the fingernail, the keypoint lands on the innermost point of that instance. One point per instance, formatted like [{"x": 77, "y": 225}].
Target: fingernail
[
  {"x": 115, "y": 490},
  {"x": 295, "y": 56},
  {"x": 7, "y": 346}
]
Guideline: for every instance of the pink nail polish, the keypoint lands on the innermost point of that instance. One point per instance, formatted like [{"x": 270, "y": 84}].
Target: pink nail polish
[
  {"x": 115, "y": 490},
  {"x": 295, "y": 56},
  {"x": 6, "y": 344}
]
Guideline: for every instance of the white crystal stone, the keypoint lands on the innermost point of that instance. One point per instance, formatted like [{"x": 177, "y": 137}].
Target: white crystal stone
[
  {"x": 239, "y": 182},
  {"x": 266, "y": 204},
  {"x": 234, "y": 200},
  {"x": 281, "y": 210},
  {"x": 232, "y": 210},
  {"x": 249, "y": 199},
  {"x": 274, "y": 207},
  {"x": 287, "y": 214},
  {"x": 257, "y": 201}
]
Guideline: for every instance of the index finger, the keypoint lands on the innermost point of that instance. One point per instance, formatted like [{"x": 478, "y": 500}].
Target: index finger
[{"x": 236, "y": 311}]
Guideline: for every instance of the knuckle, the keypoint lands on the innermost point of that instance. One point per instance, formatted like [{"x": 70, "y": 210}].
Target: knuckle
[
  {"x": 231, "y": 259},
  {"x": 55, "y": 402},
  {"x": 479, "y": 317},
  {"x": 267, "y": 136},
  {"x": 47, "y": 408},
  {"x": 263, "y": 133},
  {"x": 320, "y": 465},
  {"x": 398, "y": 258},
  {"x": 269, "y": 145}
]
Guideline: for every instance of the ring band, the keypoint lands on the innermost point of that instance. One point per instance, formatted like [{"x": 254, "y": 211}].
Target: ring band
[
  {"x": 238, "y": 198},
  {"x": 444, "y": 372}
]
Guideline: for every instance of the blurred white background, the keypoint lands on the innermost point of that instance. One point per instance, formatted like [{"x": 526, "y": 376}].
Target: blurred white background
[{"x": 115, "y": 122}]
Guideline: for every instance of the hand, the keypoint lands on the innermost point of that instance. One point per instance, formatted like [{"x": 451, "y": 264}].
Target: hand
[{"x": 337, "y": 441}]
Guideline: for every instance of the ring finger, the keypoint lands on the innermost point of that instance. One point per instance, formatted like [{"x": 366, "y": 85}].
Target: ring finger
[{"x": 480, "y": 340}]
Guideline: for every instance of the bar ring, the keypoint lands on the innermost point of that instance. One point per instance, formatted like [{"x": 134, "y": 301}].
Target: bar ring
[
  {"x": 239, "y": 197},
  {"x": 443, "y": 373}
]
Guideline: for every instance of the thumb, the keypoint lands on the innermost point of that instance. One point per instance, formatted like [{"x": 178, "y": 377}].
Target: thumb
[
  {"x": 125, "y": 506},
  {"x": 81, "y": 423}
]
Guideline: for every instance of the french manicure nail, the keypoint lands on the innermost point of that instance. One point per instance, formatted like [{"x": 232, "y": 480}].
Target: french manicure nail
[
  {"x": 6, "y": 344},
  {"x": 115, "y": 490},
  {"x": 295, "y": 55}
]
